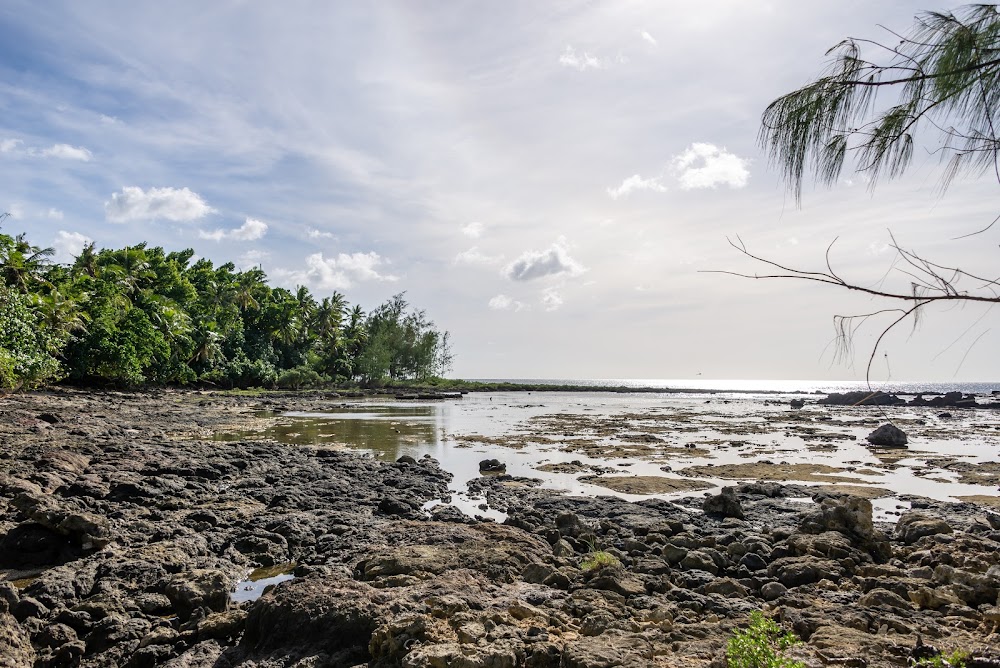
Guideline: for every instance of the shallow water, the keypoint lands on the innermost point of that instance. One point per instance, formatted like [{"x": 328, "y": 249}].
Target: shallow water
[
  {"x": 252, "y": 587},
  {"x": 656, "y": 435}
]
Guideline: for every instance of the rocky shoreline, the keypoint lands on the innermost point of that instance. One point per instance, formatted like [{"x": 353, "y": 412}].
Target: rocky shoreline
[{"x": 124, "y": 528}]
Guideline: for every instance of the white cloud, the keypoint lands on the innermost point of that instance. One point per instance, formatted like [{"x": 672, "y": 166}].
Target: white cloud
[
  {"x": 67, "y": 152},
  {"x": 60, "y": 151},
  {"x": 582, "y": 61},
  {"x": 553, "y": 261},
  {"x": 474, "y": 230},
  {"x": 551, "y": 299},
  {"x": 313, "y": 233},
  {"x": 707, "y": 166},
  {"x": 504, "y": 303},
  {"x": 68, "y": 245},
  {"x": 636, "y": 182},
  {"x": 252, "y": 258},
  {"x": 251, "y": 230},
  {"x": 649, "y": 38},
  {"x": 501, "y": 303},
  {"x": 54, "y": 214},
  {"x": 473, "y": 256},
  {"x": 338, "y": 273},
  {"x": 174, "y": 204}
]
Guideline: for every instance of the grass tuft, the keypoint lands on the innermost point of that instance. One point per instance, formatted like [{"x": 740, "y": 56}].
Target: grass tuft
[{"x": 599, "y": 559}]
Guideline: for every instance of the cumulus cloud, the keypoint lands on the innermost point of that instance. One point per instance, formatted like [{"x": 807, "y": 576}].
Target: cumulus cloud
[
  {"x": 174, "y": 204},
  {"x": 553, "y": 261},
  {"x": 313, "y": 233},
  {"x": 54, "y": 214},
  {"x": 66, "y": 152},
  {"x": 251, "y": 230},
  {"x": 707, "y": 166},
  {"x": 474, "y": 256},
  {"x": 340, "y": 272},
  {"x": 9, "y": 145},
  {"x": 504, "y": 303},
  {"x": 649, "y": 38},
  {"x": 68, "y": 245},
  {"x": 474, "y": 230},
  {"x": 551, "y": 299},
  {"x": 636, "y": 182},
  {"x": 581, "y": 61}
]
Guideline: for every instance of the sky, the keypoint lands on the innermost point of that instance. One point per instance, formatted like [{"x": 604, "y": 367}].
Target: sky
[{"x": 551, "y": 182}]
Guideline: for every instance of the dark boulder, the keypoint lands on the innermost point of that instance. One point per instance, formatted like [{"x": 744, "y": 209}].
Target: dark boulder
[
  {"x": 28, "y": 545},
  {"x": 492, "y": 466},
  {"x": 888, "y": 436},
  {"x": 863, "y": 398},
  {"x": 725, "y": 504},
  {"x": 311, "y": 618}
]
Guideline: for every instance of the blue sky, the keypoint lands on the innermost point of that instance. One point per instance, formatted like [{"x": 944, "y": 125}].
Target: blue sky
[{"x": 547, "y": 180}]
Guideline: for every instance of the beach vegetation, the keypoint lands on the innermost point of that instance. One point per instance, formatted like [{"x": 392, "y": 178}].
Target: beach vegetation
[
  {"x": 761, "y": 645},
  {"x": 596, "y": 559},
  {"x": 956, "y": 659},
  {"x": 140, "y": 315}
]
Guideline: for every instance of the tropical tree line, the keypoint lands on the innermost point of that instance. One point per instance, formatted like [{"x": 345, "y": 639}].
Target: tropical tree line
[{"x": 142, "y": 316}]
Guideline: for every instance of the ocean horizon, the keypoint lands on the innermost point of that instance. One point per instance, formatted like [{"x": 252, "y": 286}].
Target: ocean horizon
[{"x": 763, "y": 385}]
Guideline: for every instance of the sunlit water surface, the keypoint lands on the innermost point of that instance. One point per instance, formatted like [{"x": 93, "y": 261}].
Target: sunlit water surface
[{"x": 388, "y": 430}]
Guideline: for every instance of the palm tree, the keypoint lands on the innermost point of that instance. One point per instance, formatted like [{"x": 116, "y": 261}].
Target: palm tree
[
  {"x": 207, "y": 344},
  {"x": 86, "y": 262},
  {"x": 328, "y": 320},
  {"x": 128, "y": 269},
  {"x": 248, "y": 285},
  {"x": 306, "y": 303},
  {"x": 62, "y": 314},
  {"x": 21, "y": 264}
]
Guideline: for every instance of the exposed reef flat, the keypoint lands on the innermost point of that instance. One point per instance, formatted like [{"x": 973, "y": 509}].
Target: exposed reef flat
[{"x": 124, "y": 529}]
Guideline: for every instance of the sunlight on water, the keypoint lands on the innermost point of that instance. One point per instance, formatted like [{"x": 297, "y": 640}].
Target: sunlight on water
[
  {"x": 574, "y": 435},
  {"x": 762, "y": 385}
]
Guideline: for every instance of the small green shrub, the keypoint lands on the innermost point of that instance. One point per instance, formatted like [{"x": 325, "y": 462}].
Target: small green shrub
[
  {"x": 298, "y": 378},
  {"x": 599, "y": 559},
  {"x": 957, "y": 659},
  {"x": 760, "y": 645}
]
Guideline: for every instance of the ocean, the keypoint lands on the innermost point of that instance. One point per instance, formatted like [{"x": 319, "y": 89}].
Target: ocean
[{"x": 785, "y": 386}]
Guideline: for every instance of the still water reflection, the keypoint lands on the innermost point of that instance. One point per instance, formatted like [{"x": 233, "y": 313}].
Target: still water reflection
[{"x": 387, "y": 432}]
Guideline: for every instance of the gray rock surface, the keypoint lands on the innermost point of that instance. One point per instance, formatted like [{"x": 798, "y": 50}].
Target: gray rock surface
[{"x": 378, "y": 582}]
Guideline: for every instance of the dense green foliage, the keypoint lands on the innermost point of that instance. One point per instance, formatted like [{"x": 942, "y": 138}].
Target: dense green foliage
[
  {"x": 760, "y": 645},
  {"x": 139, "y": 315},
  {"x": 26, "y": 358}
]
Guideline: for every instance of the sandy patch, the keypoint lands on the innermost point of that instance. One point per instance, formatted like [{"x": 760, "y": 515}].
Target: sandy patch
[
  {"x": 769, "y": 471},
  {"x": 982, "y": 500},
  {"x": 646, "y": 484},
  {"x": 859, "y": 490}
]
